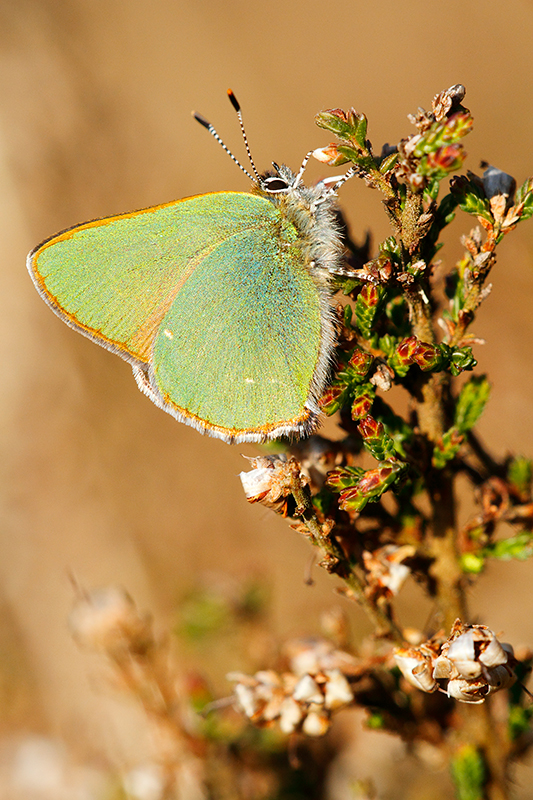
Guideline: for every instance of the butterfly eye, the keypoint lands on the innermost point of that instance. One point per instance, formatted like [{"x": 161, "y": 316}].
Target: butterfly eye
[{"x": 274, "y": 184}]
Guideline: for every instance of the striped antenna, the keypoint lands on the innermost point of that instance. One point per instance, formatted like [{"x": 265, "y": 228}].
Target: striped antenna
[
  {"x": 236, "y": 105},
  {"x": 214, "y": 134}
]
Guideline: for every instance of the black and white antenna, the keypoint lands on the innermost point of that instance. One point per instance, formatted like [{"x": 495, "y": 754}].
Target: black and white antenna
[
  {"x": 273, "y": 184},
  {"x": 236, "y": 105}
]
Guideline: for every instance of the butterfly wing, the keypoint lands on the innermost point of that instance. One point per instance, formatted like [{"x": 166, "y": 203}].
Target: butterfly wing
[{"x": 211, "y": 297}]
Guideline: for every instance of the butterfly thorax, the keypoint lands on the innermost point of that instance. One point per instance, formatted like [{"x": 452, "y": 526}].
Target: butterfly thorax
[{"x": 311, "y": 210}]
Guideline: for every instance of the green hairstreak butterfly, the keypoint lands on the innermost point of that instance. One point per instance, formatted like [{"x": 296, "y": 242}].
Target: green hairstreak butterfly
[{"x": 220, "y": 302}]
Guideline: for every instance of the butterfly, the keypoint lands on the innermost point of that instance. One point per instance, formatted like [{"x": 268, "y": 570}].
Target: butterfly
[{"x": 221, "y": 302}]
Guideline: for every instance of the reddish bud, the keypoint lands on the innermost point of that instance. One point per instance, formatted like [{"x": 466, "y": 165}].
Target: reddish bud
[
  {"x": 361, "y": 406},
  {"x": 446, "y": 158},
  {"x": 360, "y": 362},
  {"x": 330, "y": 155},
  {"x": 370, "y": 295},
  {"x": 373, "y": 479},
  {"x": 426, "y": 355},
  {"x": 331, "y": 399},
  {"x": 406, "y": 348},
  {"x": 370, "y": 428}
]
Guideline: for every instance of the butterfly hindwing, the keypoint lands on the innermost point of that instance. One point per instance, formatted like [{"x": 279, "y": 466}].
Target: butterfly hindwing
[{"x": 211, "y": 295}]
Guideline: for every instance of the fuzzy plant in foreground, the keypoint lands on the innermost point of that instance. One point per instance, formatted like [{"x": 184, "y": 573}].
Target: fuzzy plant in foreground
[{"x": 378, "y": 504}]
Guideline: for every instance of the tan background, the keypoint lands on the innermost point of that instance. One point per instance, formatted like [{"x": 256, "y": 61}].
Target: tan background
[{"x": 95, "y": 101}]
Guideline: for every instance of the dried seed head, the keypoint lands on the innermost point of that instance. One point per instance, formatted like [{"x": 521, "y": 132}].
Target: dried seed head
[
  {"x": 447, "y": 101},
  {"x": 475, "y": 648},
  {"x": 297, "y": 702},
  {"x": 472, "y": 661},
  {"x": 474, "y": 691},
  {"x": 246, "y": 699},
  {"x": 108, "y": 620},
  {"x": 382, "y": 377},
  {"x": 314, "y": 655}
]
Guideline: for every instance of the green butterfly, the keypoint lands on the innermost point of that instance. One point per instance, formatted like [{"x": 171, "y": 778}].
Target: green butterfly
[{"x": 220, "y": 302}]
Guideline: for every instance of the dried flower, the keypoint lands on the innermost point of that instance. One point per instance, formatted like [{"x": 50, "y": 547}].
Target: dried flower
[
  {"x": 304, "y": 703},
  {"x": 107, "y": 620},
  {"x": 271, "y": 481},
  {"x": 472, "y": 661},
  {"x": 385, "y": 571}
]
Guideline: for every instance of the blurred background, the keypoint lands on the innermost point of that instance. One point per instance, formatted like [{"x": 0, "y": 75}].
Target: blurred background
[{"x": 96, "y": 482}]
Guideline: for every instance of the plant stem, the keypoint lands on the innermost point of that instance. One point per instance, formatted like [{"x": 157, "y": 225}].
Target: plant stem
[{"x": 352, "y": 576}]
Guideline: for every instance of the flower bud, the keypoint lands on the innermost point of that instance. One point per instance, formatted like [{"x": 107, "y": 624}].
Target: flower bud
[
  {"x": 362, "y": 406},
  {"x": 330, "y": 155}
]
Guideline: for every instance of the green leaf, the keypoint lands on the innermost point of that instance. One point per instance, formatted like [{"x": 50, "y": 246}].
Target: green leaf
[
  {"x": 519, "y": 721},
  {"x": 360, "y": 133},
  {"x": 519, "y": 547},
  {"x": 447, "y": 448},
  {"x": 520, "y": 476},
  {"x": 361, "y": 159},
  {"x": 368, "y": 306},
  {"x": 525, "y": 195},
  {"x": 388, "y": 163},
  {"x": 339, "y": 122},
  {"x": 470, "y": 196},
  {"x": 471, "y": 402}
]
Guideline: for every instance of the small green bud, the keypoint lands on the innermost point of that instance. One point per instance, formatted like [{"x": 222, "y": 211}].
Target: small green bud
[
  {"x": 520, "y": 476},
  {"x": 471, "y": 402},
  {"x": 370, "y": 487},
  {"x": 462, "y": 359},
  {"x": 367, "y": 307},
  {"x": 472, "y": 563},
  {"x": 376, "y": 440},
  {"x": 447, "y": 448},
  {"x": 344, "y": 478}
]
